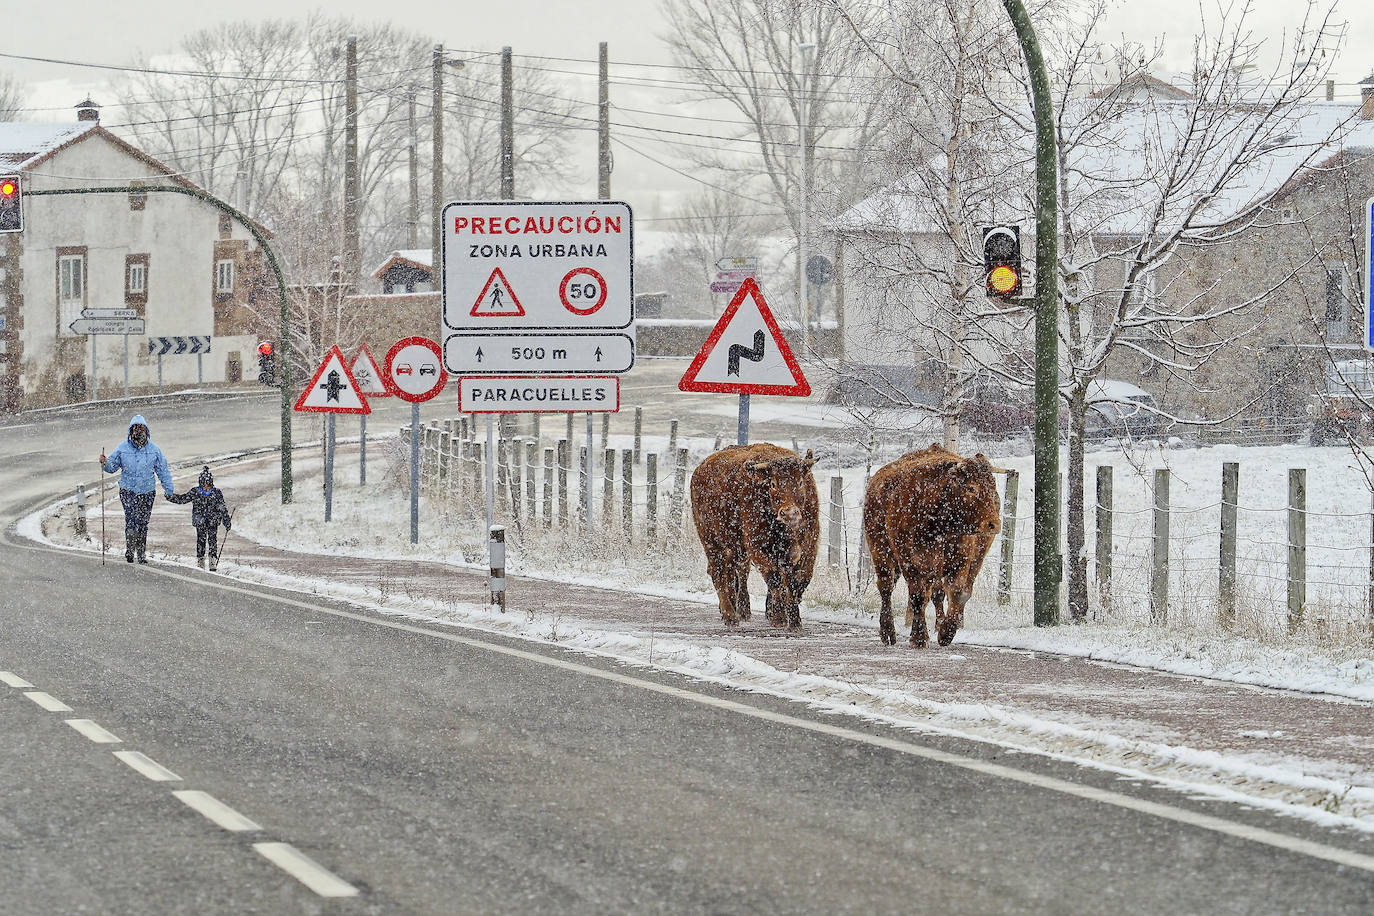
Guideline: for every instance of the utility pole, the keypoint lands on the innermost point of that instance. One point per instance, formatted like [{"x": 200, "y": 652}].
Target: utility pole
[
  {"x": 603, "y": 126},
  {"x": 413, "y": 215},
  {"x": 436, "y": 202},
  {"x": 351, "y": 253},
  {"x": 803, "y": 140},
  {"x": 507, "y": 128},
  {"x": 1047, "y": 564}
]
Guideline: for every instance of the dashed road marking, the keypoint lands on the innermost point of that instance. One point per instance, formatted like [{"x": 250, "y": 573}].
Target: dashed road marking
[
  {"x": 215, "y": 810},
  {"x": 13, "y": 680},
  {"x": 147, "y": 766},
  {"x": 305, "y": 870},
  {"x": 93, "y": 731},
  {"x": 50, "y": 703}
]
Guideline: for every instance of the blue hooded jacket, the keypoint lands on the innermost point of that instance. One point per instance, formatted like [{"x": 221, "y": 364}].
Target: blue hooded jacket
[{"x": 142, "y": 468}]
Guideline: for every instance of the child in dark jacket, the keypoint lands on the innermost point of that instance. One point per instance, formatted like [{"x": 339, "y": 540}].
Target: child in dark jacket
[{"x": 207, "y": 512}]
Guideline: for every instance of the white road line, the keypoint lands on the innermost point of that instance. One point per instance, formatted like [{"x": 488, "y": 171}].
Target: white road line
[
  {"x": 215, "y": 810},
  {"x": 1271, "y": 838},
  {"x": 50, "y": 703},
  {"x": 147, "y": 766},
  {"x": 13, "y": 680},
  {"x": 93, "y": 731},
  {"x": 305, "y": 870}
]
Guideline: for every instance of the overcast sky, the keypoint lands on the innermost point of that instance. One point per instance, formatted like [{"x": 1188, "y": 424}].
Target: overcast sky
[{"x": 99, "y": 31}]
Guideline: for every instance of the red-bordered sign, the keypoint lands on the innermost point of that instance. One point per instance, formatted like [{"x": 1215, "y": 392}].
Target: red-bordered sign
[
  {"x": 539, "y": 394},
  {"x": 333, "y": 388},
  {"x": 415, "y": 369},
  {"x": 497, "y": 299},
  {"x": 371, "y": 380},
  {"x": 577, "y": 294},
  {"x": 746, "y": 352}
]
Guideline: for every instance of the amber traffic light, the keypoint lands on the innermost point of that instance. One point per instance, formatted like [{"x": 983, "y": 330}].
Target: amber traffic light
[{"x": 1002, "y": 261}]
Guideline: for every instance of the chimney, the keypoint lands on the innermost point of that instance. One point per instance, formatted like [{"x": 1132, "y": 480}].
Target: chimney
[{"x": 88, "y": 111}]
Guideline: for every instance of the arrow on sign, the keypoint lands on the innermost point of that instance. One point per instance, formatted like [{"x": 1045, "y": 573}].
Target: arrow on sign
[
  {"x": 479, "y": 354},
  {"x": 180, "y": 345}
]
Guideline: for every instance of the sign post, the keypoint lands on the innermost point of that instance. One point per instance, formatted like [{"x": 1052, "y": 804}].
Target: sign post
[
  {"x": 372, "y": 384},
  {"x": 1368, "y": 280},
  {"x": 746, "y": 354},
  {"x": 161, "y": 346},
  {"x": 332, "y": 390},
  {"x": 414, "y": 372},
  {"x": 542, "y": 295}
]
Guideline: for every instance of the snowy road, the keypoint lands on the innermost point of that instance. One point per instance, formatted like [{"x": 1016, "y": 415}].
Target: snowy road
[{"x": 437, "y": 770}]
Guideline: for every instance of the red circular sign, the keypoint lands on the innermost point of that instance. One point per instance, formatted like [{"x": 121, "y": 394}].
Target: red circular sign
[
  {"x": 415, "y": 369},
  {"x": 583, "y": 291}
]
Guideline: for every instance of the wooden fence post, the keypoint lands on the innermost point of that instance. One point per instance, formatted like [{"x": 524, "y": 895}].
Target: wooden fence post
[
  {"x": 1008, "y": 537},
  {"x": 605, "y": 431},
  {"x": 548, "y": 488},
  {"x": 835, "y": 541},
  {"x": 627, "y": 492},
  {"x": 517, "y": 474},
  {"x": 672, "y": 437},
  {"x": 1226, "y": 571},
  {"x": 1297, "y": 547},
  {"x": 639, "y": 433},
  {"x": 1104, "y": 536},
  {"x": 651, "y": 496},
  {"x": 584, "y": 480},
  {"x": 1159, "y": 572},
  {"x": 531, "y": 500},
  {"x": 675, "y": 512},
  {"x": 564, "y": 462},
  {"x": 608, "y": 490}
]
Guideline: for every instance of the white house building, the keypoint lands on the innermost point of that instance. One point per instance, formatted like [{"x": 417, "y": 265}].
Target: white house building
[{"x": 181, "y": 264}]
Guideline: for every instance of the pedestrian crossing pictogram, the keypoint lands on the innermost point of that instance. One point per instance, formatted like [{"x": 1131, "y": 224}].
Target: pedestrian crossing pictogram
[{"x": 497, "y": 300}]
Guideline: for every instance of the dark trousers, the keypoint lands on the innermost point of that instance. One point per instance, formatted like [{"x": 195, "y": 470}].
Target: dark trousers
[
  {"x": 138, "y": 508},
  {"x": 206, "y": 533}
]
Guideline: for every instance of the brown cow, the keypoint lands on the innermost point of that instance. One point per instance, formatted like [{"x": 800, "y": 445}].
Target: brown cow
[
  {"x": 930, "y": 516},
  {"x": 757, "y": 504}
]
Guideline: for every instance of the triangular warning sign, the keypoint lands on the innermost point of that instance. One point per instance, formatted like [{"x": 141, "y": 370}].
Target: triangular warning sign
[
  {"x": 333, "y": 389},
  {"x": 368, "y": 374},
  {"x": 497, "y": 300},
  {"x": 746, "y": 352}
]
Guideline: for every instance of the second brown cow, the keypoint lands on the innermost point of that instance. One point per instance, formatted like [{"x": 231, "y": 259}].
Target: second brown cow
[
  {"x": 757, "y": 504},
  {"x": 930, "y": 517}
]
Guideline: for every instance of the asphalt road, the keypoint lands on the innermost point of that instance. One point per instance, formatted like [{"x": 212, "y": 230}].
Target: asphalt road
[{"x": 439, "y": 771}]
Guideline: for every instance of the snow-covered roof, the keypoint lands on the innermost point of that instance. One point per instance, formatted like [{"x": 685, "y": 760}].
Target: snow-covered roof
[
  {"x": 23, "y": 143},
  {"x": 422, "y": 258},
  {"x": 1110, "y": 178}
]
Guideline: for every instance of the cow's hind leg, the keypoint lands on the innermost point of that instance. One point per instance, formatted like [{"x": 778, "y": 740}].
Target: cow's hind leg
[
  {"x": 887, "y": 578},
  {"x": 721, "y": 566},
  {"x": 918, "y": 593},
  {"x": 742, "y": 608}
]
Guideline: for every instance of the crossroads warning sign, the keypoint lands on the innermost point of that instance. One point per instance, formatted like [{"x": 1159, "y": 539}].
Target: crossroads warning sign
[
  {"x": 497, "y": 299},
  {"x": 746, "y": 352},
  {"x": 333, "y": 388}
]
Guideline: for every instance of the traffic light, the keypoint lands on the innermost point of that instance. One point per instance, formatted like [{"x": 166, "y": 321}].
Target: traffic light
[
  {"x": 1002, "y": 261},
  {"x": 11, "y": 204},
  {"x": 267, "y": 364}
]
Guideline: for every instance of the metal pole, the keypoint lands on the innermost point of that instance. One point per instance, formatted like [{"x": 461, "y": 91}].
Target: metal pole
[
  {"x": 603, "y": 125},
  {"x": 436, "y": 167},
  {"x": 94, "y": 384},
  {"x": 126, "y": 366},
  {"x": 507, "y": 128},
  {"x": 1047, "y": 561},
  {"x": 362, "y": 449},
  {"x": 159, "y": 373},
  {"x": 200, "y": 368},
  {"x": 329, "y": 472},
  {"x": 413, "y": 155},
  {"x": 803, "y": 129},
  {"x": 102, "y": 513},
  {"x": 415, "y": 472},
  {"x": 743, "y": 438},
  {"x": 591, "y": 472},
  {"x": 352, "y": 185},
  {"x": 491, "y": 471},
  {"x": 496, "y": 549}
]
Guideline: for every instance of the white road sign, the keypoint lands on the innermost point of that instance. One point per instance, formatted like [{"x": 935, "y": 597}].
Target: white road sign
[
  {"x": 539, "y": 394},
  {"x": 521, "y": 266},
  {"x": 471, "y": 354},
  {"x": 368, "y": 375},
  {"x": 109, "y": 313},
  {"x": 109, "y": 326}
]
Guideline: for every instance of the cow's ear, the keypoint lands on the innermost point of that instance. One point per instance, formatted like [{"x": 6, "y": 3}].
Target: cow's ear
[
  {"x": 809, "y": 460},
  {"x": 757, "y": 466}
]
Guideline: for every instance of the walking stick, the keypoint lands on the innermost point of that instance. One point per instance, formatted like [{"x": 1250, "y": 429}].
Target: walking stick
[{"x": 102, "y": 513}]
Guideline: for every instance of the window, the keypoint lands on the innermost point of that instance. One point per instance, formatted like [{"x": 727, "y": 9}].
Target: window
[
  {"x": 71, "y": 286},
  {"x": 224, "y": 277},
  {"x": 136, "y": 279},
  {"x": 1337, "y": 303}
]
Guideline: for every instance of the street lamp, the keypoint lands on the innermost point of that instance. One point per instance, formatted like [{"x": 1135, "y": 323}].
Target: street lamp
[{"x": 808, "y": 49}]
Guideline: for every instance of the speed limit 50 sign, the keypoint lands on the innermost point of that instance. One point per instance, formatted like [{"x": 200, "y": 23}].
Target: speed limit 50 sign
[{"x": 521, "y": 266}]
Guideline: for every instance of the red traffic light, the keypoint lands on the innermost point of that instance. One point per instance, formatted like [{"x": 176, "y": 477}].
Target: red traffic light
[{"x": 265, "y": 348}]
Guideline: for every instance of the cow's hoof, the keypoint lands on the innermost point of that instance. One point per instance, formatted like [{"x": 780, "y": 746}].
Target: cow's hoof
[
  {"x": 945, "y": 640},
  {"x": 729, "y": 622},
  {"x": 919, "y": 642},
  {"x": 888, "y": 639},
  {"x": 745, "y": 614}
]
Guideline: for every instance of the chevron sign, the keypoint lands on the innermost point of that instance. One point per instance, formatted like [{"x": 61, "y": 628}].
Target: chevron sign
[{"x": 161, "y": 346}]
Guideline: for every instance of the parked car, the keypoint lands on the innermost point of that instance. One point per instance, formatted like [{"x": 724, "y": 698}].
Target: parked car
[
  {"x": 1344, "y": 407},
  {"x": 998, "y": 410},
  {"x": 1118, "y": 409}
]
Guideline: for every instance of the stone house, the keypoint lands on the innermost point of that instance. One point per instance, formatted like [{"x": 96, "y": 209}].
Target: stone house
[{"x": 180, "y": 264}]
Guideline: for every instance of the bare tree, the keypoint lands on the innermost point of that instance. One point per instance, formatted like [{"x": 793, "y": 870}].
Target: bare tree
[{"x": 11, "y": 98}]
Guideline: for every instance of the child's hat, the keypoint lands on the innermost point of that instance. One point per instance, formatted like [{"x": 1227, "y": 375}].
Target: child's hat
[{"x": 206, "y": 478}]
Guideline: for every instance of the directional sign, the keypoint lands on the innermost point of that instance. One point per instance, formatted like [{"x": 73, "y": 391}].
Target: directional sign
[
  {"x": 539, "y": 394},
  {"x": 333, "y": 388},
  {"x": 469, "y": 354},
  {"x": 746, "y": 352},
  {"x": 368, "y": 375},
  {"x": 415, "y": 370},
  {"x": 109, "y": 313},
  {"x": 521, "y": 266},
  {"x": 750, "y": 264},
  {"x": 726, "y": 286},
  {"x": 108, "y": 326},
  {"x": 161, "y": 346}
]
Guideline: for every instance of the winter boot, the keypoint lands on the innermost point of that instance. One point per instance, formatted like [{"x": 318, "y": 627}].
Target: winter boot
[
  {"x": 200, "y": 561},
  {"x": 214, "y": 561},
  {"x": 141, "y": 546},
  {"x": 129, "y": 549}
]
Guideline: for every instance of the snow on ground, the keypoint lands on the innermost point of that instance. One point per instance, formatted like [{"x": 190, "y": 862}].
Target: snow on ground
[{"x": 374, "y": 522}]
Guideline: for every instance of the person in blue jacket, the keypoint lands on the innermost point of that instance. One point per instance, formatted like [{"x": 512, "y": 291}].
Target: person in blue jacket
[{"x": 142, "y": 467}]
